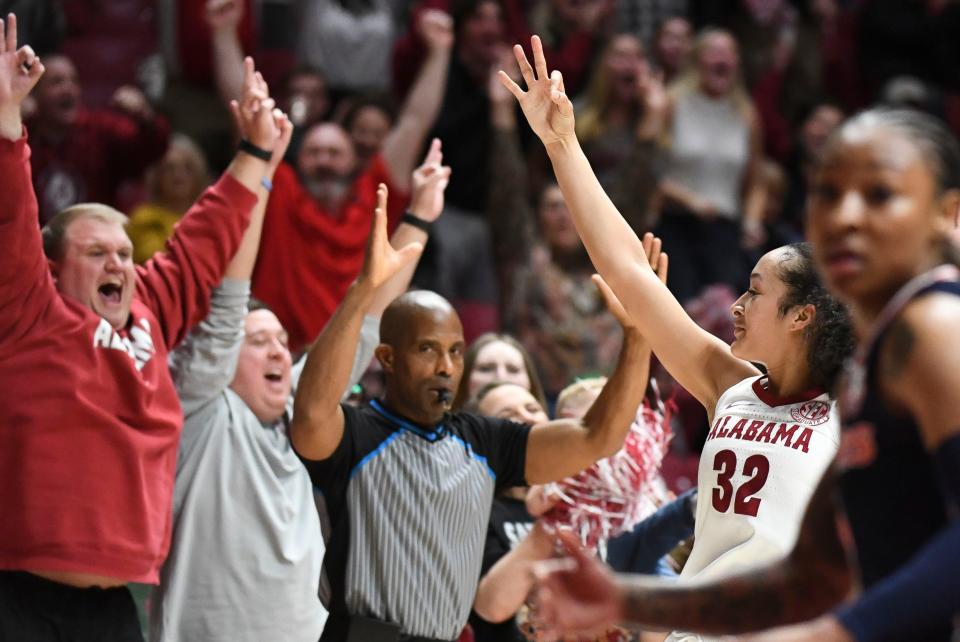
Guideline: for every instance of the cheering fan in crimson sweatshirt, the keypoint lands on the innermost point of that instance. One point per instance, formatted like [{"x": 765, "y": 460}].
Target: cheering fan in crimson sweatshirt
[{"x": 90, "y": 418}]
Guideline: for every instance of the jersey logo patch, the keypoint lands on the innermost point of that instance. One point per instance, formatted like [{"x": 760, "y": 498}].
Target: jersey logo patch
[
  {"x": 858, "y": 446},
  {"x": 812, "y": 412}
]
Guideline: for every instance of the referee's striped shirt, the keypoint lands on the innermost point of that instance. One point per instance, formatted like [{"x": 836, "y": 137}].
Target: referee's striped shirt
[{"x": 409, "y": 508}]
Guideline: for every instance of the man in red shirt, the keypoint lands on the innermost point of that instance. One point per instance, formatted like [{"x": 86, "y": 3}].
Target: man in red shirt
[
  {"x": 318, "y": 216},
  {"x": 90, "y": 419},
  {"x": 81, "y": 155}
]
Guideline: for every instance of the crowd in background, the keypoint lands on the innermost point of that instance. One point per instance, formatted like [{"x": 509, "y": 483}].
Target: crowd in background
[{"x": 701, "y": 120}]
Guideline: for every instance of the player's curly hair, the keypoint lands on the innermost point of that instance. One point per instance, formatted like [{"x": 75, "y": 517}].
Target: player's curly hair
[{"x": 830, "y": 339}]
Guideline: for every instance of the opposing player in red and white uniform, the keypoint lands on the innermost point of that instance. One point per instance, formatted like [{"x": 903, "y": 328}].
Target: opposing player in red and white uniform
[{"x": 774, "y": 434}]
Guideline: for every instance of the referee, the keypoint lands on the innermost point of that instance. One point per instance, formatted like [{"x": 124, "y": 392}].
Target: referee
[{"x": 408, "y": 484}]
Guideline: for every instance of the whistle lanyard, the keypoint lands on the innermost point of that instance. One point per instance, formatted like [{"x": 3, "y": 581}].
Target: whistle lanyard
[{"x": 429, "y": 435}]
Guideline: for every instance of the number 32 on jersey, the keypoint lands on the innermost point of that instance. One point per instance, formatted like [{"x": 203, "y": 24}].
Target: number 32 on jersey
[{"x": 756, "y": 468}]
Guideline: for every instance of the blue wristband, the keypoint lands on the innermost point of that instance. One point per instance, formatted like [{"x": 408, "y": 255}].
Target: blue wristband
[{"x": 267, "y": 183}]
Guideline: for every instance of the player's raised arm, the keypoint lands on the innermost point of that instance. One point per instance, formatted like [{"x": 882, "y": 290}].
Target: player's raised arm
[{"x": 700, "y": 362}]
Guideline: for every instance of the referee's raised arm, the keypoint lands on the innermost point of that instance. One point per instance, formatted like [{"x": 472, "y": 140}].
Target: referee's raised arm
[{"x": 317, "y": 425}]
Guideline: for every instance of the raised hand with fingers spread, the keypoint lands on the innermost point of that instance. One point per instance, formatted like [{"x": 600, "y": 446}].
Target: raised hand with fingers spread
[
  {"x": 544, "y": 103},
  {"x": 20, "y": 69}
]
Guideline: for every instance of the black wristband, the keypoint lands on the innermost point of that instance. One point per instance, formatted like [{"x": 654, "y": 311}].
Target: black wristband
[
  {"x": 411, "y": 219},
  {"x": 257, "y": 152}
]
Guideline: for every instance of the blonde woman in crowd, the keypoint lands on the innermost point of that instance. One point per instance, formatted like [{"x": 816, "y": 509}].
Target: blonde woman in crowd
[{"x": 712, "y": 186}]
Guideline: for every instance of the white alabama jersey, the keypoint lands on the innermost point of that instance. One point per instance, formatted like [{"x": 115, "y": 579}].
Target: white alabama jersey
[{"x": 763, "y": 458}]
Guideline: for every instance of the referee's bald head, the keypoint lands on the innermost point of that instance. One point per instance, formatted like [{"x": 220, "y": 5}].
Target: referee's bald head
[{"x": 410, "y": 312}]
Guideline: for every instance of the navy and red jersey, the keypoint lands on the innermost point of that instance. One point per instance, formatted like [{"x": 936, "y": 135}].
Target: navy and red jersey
[{"x": 892, "y": 494}]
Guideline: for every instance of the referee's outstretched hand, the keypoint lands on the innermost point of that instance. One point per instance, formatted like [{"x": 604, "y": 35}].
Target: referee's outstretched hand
[
  {"x": 382, "y": 261},
  {"x": 20, "y": 69}
]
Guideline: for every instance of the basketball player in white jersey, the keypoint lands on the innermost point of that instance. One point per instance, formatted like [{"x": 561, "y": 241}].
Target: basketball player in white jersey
[{"x": 772, "y": 435}]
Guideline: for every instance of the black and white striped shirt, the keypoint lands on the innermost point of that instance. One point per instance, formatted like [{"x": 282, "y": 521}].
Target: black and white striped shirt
[{"x": 409, "y": 508}]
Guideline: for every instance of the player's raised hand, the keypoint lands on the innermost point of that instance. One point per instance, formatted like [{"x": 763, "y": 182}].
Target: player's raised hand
[
  {"x": 545, "y": 102},
  {"x": 382, "y": 260},
  {"x": 20, "y": 69}
]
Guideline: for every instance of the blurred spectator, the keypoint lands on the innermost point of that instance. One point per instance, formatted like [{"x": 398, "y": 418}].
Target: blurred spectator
[
  {"x": 483, "y": 28},
  {"x": 188, "y": 45},
  {"x": 319, "y": 212},
  {"x": 40, "y": 22},
  {"x": 811, "y": 136},
  {"x": 497, "y": 357},
  {"x": 348, "y": 41},
  {"x": 510, "y": 521},
  {"x": 552, "y": 305},
  {"x": 549, "y": 300},
  {"x": 571, "y": 30},
  {"x": 672, "y": 47},
  {"x": 711, "y": 311},
  {"x": 575, "y": 399},
  {"x": 713, "y": 194},
  {"x": 777, "y": 231},
  {"x": 618, "y": 123},
  {"x": 172, "y": 186},
  {"x": 305, "y": 92},
  {"x": 458, "y": 263},
  {"x": 796, "y": 57},
  {"x": 368, "y": 121},
  {"x": 464, "y": 120},
  {"x": 306, "y": 99},
  {"x": 839, "y": 25},
  {"x": 641, "y": 17},
  {"x": 81, "y": 155}
]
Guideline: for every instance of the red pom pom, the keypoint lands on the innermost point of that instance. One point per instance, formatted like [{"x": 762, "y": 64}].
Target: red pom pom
[{"x": 613, "y": 495}]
